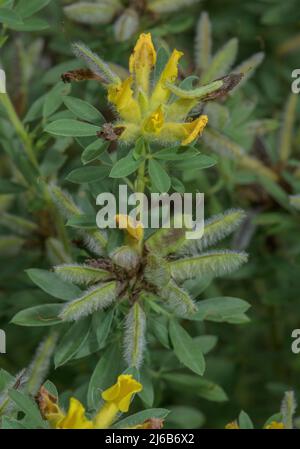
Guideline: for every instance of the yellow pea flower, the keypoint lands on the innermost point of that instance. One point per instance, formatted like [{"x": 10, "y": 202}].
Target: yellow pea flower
[
  {"x": 170, "y": 73},
  {"x": 155, "y": 122},
  {"x": 152, "y": 111},
  {"x": 117, "y": 399},
  {"x": 121, "y": 95},
  {"x": 134, "y": 230},
  {"x": 232, "y": 425},
  {"x": 75, "y": 418},
  {"x": 142, "y": 61},
  {"x": 275, "y": 425}
]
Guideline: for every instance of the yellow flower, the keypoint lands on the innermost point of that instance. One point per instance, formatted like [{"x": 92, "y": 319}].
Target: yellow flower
[
  {"x": 232, "y": 425},
  {"x": 135, "y": 230},
  {"x": 121, "y": 95},
  {"x": 153, "y": 111},
  {"x": 75, "y": 418},
  {"x": 117, "y": 399},
  {"x": 170, "y": 73},
  {"x": 275, "y": 425},
  {"x": 142, "y": 61},
  {"x": 154, "y": 123}
]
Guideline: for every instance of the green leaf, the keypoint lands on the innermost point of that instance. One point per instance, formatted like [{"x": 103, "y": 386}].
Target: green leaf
[
  {"x": 102, "y": 322},
  {"x": 176, "y": 153},
  {"x": 295, "y": 201},
  {"x": 101, "y": 325},
  {"x": 186, "y": 350},
  {"x": 206, "y": 342},
  {"x": 83, "y": 110},
  {"x": 32, "y": 24},
  {"x": 220, "y": 309},
  {"x": 45, "y": 315},
  {"x": 104, "y": 375},
  {"x": 28, "y": 406},
  {"x": 82, "y": 221},
  {"x": 245, "y": 421},
  {"x": 275, "y": 191},
  {"x": 186, "y": 417},
  {"x": 11, "y": 423},
  {"x": 27, "y": 8},
  {"x": 221, "y": 62},
  {"x": 147, "y": 393},
  {"x": 9, "y": 17},
  {"x": 54, "y": 99},
  {"x": 92, "y": 13},
  {"x": 73, "y": 128},
  {"x": 178, "y": 300},
  {"x": 51, "y": 388},
  {"x": 88, "y": 174},
  {"x": 52, "y": 284},
  {"x": 159, "y": 177},
  {"x": 203, "y": 42},
  {"x": 72, "y": 342},
  {"x": 199, "y": 162},
  {"x": 217, "y": 263},
  {"x": 140, "y": 417},
  {"x": 134, "y": 336},
  {"x": 215, "y": 229},
  {"x": 196, "y": 385},
  {"x": 94, "y": 150},
  {"x": 81, "y": 274},
  {"x": 96, "y": 298},
  {"x": 10, "y": 187},
  {"x": 159, "y": 327},
  {"x": 124, "y": 167}
]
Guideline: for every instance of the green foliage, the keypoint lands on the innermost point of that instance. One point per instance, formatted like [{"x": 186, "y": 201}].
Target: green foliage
[{"x": 83, "y": 305}]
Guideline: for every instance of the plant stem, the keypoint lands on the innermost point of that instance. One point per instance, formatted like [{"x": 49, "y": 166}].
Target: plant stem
[
  {"x": 140, "y": 181},
  {"x": 140, "y": 186},
  {"x": 27, "y": 144},
  {"x": 19, "y": 128}
]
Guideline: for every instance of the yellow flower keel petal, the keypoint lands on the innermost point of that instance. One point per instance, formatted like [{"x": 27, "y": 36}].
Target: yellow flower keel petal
[
  {"x": 194, "y": 129},
  {"x": 155, "y": 122}
]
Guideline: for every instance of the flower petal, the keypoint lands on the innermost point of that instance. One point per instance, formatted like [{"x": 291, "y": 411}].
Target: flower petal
[
  {"x": 135, "y": 230},
  {"x": 75, "y": 418},
  {"x": 122, "y": 392},
  {"x": 154, "y": 123},
  {"x": 142, "y": 61},
  {"x": 194, "y": 129},
  {"x": 121, "y": 95},
  {"x": 161, "y": 94}
]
